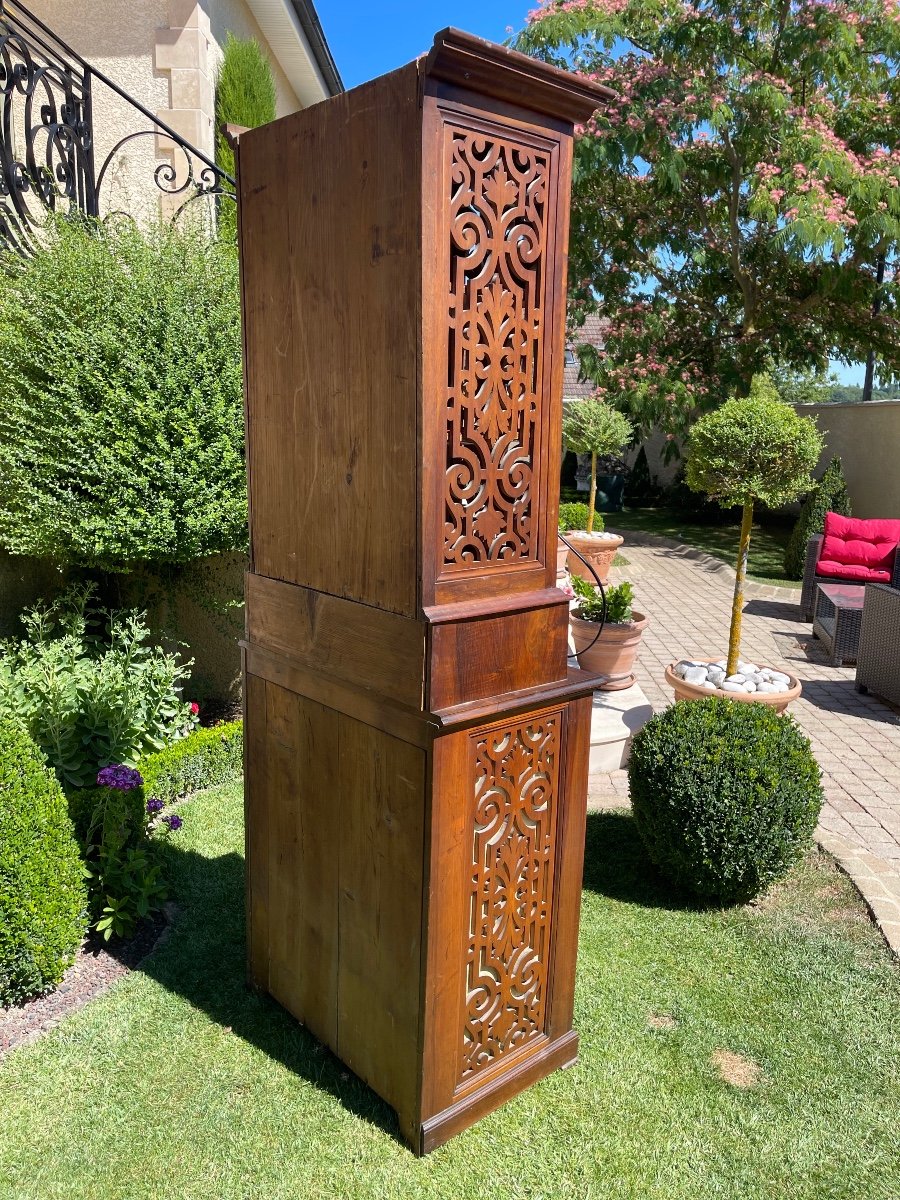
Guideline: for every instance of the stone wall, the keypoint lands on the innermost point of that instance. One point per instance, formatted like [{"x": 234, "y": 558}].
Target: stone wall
[
  {"x": 200, "y": 605},
  {"x": 867, "y": 438}
]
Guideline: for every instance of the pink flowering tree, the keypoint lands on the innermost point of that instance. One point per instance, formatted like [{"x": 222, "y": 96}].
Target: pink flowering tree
[{"x": 731, "y": 207}]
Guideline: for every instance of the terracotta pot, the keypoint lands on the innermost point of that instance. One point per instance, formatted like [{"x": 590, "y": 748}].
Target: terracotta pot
[
  {"x": 562, "y": 553},
  {"x": 599, "y": 549},
  {"x": 613, "y": 653},
  {"x": 691, "y": 691}
]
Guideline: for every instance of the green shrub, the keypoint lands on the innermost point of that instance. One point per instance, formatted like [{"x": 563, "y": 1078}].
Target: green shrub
[
  {"x": 117, "y": 827},
  {"x": 245, "y": 95},
  {"x": 725, "y": 795},
  {"x": 619, "y": 601},
  {"x": 591, "y": 426},
  {"x": 89, "y": 687},
  {"x": 574, "y": 516},
  {"x": 121, "y": 416},
  {"x": 641, "y": 488},
  {"x": 42, "y": 894},
  {"x": 203, "y": 759},
  {"x": 829, "y": 495}
]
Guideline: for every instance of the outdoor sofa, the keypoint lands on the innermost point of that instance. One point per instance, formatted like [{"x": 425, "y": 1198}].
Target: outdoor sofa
[
  {"x": 850, "y": 551},
  {"x": 878, "y": 663}
]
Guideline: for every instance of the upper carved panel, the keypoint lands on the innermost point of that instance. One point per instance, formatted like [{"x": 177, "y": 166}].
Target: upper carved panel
[
  {"x": 513, "y": 846},
  {"x": 497, "y": 206}
]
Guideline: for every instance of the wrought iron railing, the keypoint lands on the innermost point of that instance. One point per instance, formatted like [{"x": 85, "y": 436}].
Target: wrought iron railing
[{"x": 48, "y": 154}]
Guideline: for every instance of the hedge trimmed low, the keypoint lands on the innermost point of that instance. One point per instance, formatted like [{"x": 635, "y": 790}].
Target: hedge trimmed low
[
  {"x": 203, "y": 759},
  {"x": 725, "y": 796},
  {"x": 43, "y": 902}
]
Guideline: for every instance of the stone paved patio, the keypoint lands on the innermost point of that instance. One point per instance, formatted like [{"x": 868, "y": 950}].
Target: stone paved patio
[{"x": 856, "y": 738}]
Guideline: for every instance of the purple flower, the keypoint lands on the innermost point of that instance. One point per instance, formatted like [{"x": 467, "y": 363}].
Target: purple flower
[
  {"x": 154, "y": 806},
  {"x": 173, "y": 821},
  {"x": 118, "y": 776}
]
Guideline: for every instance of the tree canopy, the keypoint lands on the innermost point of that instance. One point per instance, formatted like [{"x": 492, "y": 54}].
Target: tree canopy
[{"x": 731, "y": 206}]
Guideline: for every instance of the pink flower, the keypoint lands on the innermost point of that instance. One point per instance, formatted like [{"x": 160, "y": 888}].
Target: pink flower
[{"x": 195, "y": 708}]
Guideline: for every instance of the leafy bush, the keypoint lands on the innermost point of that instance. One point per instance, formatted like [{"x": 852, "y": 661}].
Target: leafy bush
[
  {"x": 591, "y": 426},
  {"x": 619, "y": 601},
  {"x": 245, "y": 95},
  {"x": 203, "y": 759},
  {"x": 121, "y": 417},
  {"x": 42, "y": 894},
  {"x": 725, "y": 795},
  {"x": 574, "y": 515},
  {"x": 89, "y": 687},
  {"x": 829, "y": 495},
  {"x": 642, "y": 488},
  {"x": 753, "y": 448},
  {"x": 117, "y": 824}
]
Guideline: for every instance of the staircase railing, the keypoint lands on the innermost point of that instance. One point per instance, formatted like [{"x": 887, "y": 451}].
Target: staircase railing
[{"x": 48, "y": 149}]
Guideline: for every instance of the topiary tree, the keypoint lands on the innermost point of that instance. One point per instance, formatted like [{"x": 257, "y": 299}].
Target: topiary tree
[
  {"x": 591, "y": 426},
  {"x": 43, "y": 903},
  {"x": 725, "y": 795},
  {"x": 753, "y": 448},
  {"x": 121, "y": 414},
  {"x": 245, "y": 95},
  {"x": 829, "y": 495}
]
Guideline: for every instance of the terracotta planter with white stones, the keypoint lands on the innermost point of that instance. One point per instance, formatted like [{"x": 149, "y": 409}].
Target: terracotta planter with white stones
[{"x": 695, "y": 691}]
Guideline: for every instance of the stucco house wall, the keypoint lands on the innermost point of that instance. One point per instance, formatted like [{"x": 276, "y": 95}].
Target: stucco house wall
[
  {"x": 867, "y": 438},
  {"x": 165, "y": 54}
]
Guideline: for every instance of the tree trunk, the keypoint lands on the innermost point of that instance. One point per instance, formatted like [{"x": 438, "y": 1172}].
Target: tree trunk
[
  {"x": 592, "y": 495},
  {"x": 737, "y": 605}
]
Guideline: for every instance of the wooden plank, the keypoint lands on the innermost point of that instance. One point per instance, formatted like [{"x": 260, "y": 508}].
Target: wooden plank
[
  {"x": 256, "y": 830},
  {"x": 366, "y": 646},
  {"x": 305, "y": 837},
  {"x": 332, "y": 399},
  {"x": 382, "y": 788},
  {"x": 469, "y": 660},
  {"x": 570, "y": 833},
  {"x": 408, "y": 725}
]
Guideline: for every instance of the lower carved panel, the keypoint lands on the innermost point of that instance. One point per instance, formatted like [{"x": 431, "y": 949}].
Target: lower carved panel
[{"x": 516, "y": 774}]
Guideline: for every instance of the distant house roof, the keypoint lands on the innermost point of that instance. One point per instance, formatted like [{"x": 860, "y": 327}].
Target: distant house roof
[
  {"x": 591, "y": 334},
  {"x": 294, "y": 33}
]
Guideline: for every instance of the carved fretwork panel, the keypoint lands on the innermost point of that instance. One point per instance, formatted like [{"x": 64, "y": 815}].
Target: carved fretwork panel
[
  {"x": 516, "y": 773},
  {"x": 497, "y": 192}
]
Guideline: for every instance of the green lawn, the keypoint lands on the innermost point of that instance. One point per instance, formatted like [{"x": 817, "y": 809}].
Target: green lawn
[
  {"x": 181, "y": 1084},
  {"x": 767, "y": 544}
]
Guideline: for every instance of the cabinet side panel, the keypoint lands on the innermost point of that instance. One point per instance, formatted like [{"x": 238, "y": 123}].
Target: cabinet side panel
[
  {"x": 382, "y": 790},
  {"x": 304, "y": 832},
  {"x": 330, "y": 229}
]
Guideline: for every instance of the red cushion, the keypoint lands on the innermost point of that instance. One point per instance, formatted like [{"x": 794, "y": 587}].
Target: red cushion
[
  {"x": 851, "y": 542},
  {"x": 836, "y": 570}
]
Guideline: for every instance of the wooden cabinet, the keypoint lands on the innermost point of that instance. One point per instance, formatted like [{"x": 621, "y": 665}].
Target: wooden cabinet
[{"x": 416, "y": 748}]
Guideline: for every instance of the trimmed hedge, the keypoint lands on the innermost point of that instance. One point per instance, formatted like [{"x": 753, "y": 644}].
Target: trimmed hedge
[
  {"x": 725, "y": 795},
  {"x": 203, "y": 759},
  {"x": 828, "y": 495},
  {"x": 43, "y": 901},
  {"x": 573, "y": 516}
]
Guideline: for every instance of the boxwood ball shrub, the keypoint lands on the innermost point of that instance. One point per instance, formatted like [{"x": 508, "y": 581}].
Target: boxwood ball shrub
[
  {"x": 121, "y": 416},
  {"x": 43, "y": 903},
  {"x": 725, "y": 796}
]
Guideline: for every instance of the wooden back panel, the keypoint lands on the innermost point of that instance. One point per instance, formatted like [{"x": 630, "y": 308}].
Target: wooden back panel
[{"x": 330, "y": 247}]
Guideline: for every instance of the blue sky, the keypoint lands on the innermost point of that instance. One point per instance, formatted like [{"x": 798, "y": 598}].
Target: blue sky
[{"x": 369, "y": 39}]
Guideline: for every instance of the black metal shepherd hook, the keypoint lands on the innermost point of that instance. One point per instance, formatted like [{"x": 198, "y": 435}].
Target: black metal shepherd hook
[{"x": 597, "y": 580}]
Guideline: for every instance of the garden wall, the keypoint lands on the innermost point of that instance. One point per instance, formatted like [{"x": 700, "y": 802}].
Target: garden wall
[
  {"x": 867, "y": 438},
  {"x": 200, "y": 605}
]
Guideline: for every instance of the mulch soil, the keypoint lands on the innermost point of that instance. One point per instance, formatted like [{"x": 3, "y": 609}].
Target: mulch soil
[{"x": 97, "y": 966}]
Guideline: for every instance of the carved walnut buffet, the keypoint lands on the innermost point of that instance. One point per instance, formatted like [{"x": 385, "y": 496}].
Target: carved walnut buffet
[{"x": 416, "y": 748}]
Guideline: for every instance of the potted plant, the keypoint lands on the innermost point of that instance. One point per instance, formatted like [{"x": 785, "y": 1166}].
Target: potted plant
[
  {"x": 591, "y": 426},
  {"x": 754, "y": 447},
  {"x": 612, "y": 654}
]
